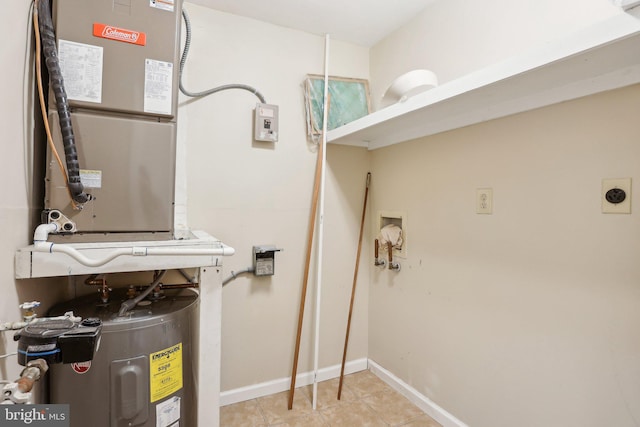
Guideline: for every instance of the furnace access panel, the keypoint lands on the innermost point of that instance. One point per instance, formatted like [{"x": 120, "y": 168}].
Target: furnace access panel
[
  {"x": 120, "y": 55},
  {"x": 120, "y": 63}
]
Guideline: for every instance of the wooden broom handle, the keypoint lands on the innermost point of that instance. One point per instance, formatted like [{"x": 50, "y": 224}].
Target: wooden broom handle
[
  {"x": 312, "y": 223},
  {"x": 353, "y": 288}
]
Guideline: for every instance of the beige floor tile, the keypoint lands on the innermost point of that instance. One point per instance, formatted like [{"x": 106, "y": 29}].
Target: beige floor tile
[
  {"x": 328, "y": 393},
  {"x": 352, "y": 414},
  {"x": 366, "y": 402},
  {"x": 364, "y": 383},
  {"x": 243, "y": 414},
  {"x": 275, "y": 407},
  {"x": 422, "y": 421},
  {"x": 392, "y": 407},
  {"x": 312, "y": 420}
]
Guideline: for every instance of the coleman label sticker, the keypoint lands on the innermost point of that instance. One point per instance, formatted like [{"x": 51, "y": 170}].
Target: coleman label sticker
[
  {"x": 119, "y": 34},
  {"x": 166, "y": 372}
]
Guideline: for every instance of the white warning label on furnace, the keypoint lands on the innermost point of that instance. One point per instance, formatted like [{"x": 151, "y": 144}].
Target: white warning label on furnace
[
  {"x": 158, "y": 82},
  {"x": 81, "y": 66},
  {"x": 91, "y": 178},
  {"x": 162, "y": 4}
]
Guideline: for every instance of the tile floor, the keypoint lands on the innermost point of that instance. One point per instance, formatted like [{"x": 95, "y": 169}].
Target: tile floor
[{"x": 366, "y": 401}]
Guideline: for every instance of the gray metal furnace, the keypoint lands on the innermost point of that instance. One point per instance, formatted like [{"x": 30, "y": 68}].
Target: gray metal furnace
[
  {"x": 120, "y": 65},
  {"x": 144, "y": 371}
]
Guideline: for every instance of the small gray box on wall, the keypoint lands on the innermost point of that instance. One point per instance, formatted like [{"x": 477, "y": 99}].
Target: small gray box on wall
[{"x": 266, "y": 122}]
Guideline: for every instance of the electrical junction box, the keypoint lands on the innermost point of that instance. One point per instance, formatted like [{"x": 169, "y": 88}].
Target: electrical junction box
[
  {"x": 266, "y": 122},
  {"x": 264, "y": 260}
]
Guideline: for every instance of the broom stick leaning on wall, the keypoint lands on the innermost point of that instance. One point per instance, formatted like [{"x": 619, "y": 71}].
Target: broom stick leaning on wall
[
  {"x": 353, "y": 288},
  {"x": 319, "y": 177},
  {"x": 312, "y": 223}
]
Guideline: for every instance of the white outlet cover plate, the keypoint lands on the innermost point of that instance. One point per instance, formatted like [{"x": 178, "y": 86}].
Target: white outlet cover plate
[
  {"x": 616, "y": 208},
  {"x": 484, "y": 201}
]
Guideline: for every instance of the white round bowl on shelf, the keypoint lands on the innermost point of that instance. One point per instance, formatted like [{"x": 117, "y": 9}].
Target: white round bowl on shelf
[{"x": 409, "y": 84}]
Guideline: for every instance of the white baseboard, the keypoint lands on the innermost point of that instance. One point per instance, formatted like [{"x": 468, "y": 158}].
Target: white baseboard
[
  {"x": 421, "y": 401},
  {"x": 283, "y": 384}
]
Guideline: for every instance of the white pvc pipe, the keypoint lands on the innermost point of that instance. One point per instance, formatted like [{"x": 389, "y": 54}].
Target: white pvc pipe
[
  {"x": 40, "y": 244},
  {"x": 325, "y": 120},
  {"x": 42, "y": 232}
]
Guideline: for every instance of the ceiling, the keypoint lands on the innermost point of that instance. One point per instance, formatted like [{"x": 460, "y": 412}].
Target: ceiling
[{"x": 363, "y": 22}]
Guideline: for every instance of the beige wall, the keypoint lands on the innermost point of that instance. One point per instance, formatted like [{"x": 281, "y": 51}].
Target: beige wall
[
  {"x": 525, "y": 317},
  {"x": 259, "y": 193},
  {"x": 16, "y": 207},
  {"x": 521, "y": 317}
]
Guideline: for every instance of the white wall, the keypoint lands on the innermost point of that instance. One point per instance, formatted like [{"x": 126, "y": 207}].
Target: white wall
[
  {"x": 16, "y": 206},
  {"x": 455, "y": 37},
  {"x": 13, "y": 204},
  {"x": 250, "y": 193},
  {"x": 526, "y": 317}
]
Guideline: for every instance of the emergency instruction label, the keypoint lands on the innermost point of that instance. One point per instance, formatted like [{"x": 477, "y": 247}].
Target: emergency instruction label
[
  {"x": 81, "y": 67},
  {"x": 165, "y": 372},
  {"x": 158, "y": 84}
]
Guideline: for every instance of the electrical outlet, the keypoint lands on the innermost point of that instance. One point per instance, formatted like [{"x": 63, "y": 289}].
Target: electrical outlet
[
  {"x": 484, "y": 201},
  {"x": 616, "y": 196}
]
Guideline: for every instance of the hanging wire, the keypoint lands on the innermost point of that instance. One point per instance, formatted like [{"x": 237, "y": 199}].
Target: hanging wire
[{"x": 183, "y": 60}]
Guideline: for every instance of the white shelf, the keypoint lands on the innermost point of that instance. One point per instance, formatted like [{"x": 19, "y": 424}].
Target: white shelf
[
  {"x": 32, "y": 264},
  {"x": 603, "y": 57}
]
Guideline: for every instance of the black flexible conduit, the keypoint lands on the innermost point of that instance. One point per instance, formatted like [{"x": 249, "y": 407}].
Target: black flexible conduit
[
  {"x": 183, "y": 60},
  {"x": 50, "y": 53},
  {"x": 131, "y": 303}
]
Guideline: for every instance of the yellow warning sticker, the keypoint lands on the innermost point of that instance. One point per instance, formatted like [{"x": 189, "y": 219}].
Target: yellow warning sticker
[{"x": 166, "y": 372}]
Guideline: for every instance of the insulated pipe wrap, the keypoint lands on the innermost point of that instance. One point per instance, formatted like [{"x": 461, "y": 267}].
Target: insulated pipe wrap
[{"x": 62, "y": 104}]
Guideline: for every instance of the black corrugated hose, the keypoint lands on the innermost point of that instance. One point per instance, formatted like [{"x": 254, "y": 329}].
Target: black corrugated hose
[{"x": 50, "y": 53}]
